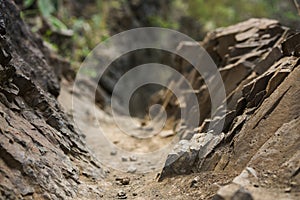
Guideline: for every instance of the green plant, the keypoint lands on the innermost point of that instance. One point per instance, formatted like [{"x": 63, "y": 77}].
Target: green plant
[
  {"x": 219, "y": 13},
  {"x": 48, "y": 9},
  {"x": 160, "y": 22}
]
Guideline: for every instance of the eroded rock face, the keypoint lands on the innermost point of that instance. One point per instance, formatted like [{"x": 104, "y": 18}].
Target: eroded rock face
[
  {"x": 42, "y": 156},
  {"x": 259, "y": 63}
]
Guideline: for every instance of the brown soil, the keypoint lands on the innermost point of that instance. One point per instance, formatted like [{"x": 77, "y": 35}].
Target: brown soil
[{"x": 202, "y": 185}]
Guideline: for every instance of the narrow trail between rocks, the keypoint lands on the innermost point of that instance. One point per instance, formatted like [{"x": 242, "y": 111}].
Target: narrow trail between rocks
[
  {"x": 132, "y": 164},
  {"x": 68, "y": 132},
  {"x": 130, "y": 172},
  {"x": 256, "y": 151}
]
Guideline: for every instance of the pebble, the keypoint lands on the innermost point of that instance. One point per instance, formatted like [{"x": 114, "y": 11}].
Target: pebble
[
  {"x": 113, "y": 153},
  {"x": 134, "y": 194},
  {"x": 266, "y": 181},
  {"x": 121, "y": 195},
  {"x": 123, "y": 181},
  {"x": 195, "y": 181},
  {"x": 252, "y": 171},
  {"x": 124, "y": 158},
  {"x": 167, "y": 133},
  {"x": 133, "y": 158},
  {"x": 293, "y": 183},
  {"x": 233, "y": 191},
  {"x": 131, "y": 169},
  {"x": 287, "y": 190}
]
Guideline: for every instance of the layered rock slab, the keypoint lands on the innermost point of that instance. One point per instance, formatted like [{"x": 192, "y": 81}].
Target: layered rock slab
[
  {"x": 42, "y": 155},
  {"x": 259, "y": 63}
]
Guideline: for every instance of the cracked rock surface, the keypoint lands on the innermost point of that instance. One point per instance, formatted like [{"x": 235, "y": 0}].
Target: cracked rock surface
[
  {"x": 259, "y": 63},
  {"x": 42, "y": 155},
  {"x": 255, "y": 156}
]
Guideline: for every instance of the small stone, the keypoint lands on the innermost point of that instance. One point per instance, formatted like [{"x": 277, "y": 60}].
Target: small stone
[
  {"x": 134, "y": 194},
  {"x": 251, "y": 171},
  {"x": 123, "y": 181},
  {"x": 233, "y": 192},
  {"x": 133, "y": 158},
  {"x": 166, "y": 133},
  {"x": 288, "y": 190},
  {"x": 121, "y": 195},
  {"x": 293, "y": 183},
  {"x": 131, "y": 169},
  {"x": 195, "y": 181},
  {"x": 242, "y": 195},
  {"x": 113, "y": 153},
  {"x": 124, "y": 159}
]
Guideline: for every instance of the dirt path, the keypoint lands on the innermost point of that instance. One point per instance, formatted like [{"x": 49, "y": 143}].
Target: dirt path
[{"x": 133, "y": 163}]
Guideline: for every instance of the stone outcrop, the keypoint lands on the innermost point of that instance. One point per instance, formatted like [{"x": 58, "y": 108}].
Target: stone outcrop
[
  {"x": 42, "y": 155},
  {"x": 259, "y": 63}
]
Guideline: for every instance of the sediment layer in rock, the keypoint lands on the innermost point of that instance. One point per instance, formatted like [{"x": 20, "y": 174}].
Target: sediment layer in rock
[
  {"x": 259, "y": 63},
  {"x": 42, "y": 155}
]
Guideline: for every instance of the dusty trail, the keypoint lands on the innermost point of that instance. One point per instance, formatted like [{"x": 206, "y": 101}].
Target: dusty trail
[
  {"x": 130, "y": 183},
  {"x": 259, "y": 147},
  {"x": 135, "y": 177},
  {"x": 141, "y": 185},
  {"x": 43, "y": 156}
]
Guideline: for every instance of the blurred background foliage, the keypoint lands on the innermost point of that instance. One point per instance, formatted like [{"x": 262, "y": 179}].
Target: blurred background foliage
[
  {"x": 74, "y": 27},
  {"x": 219, "y": 13}
]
